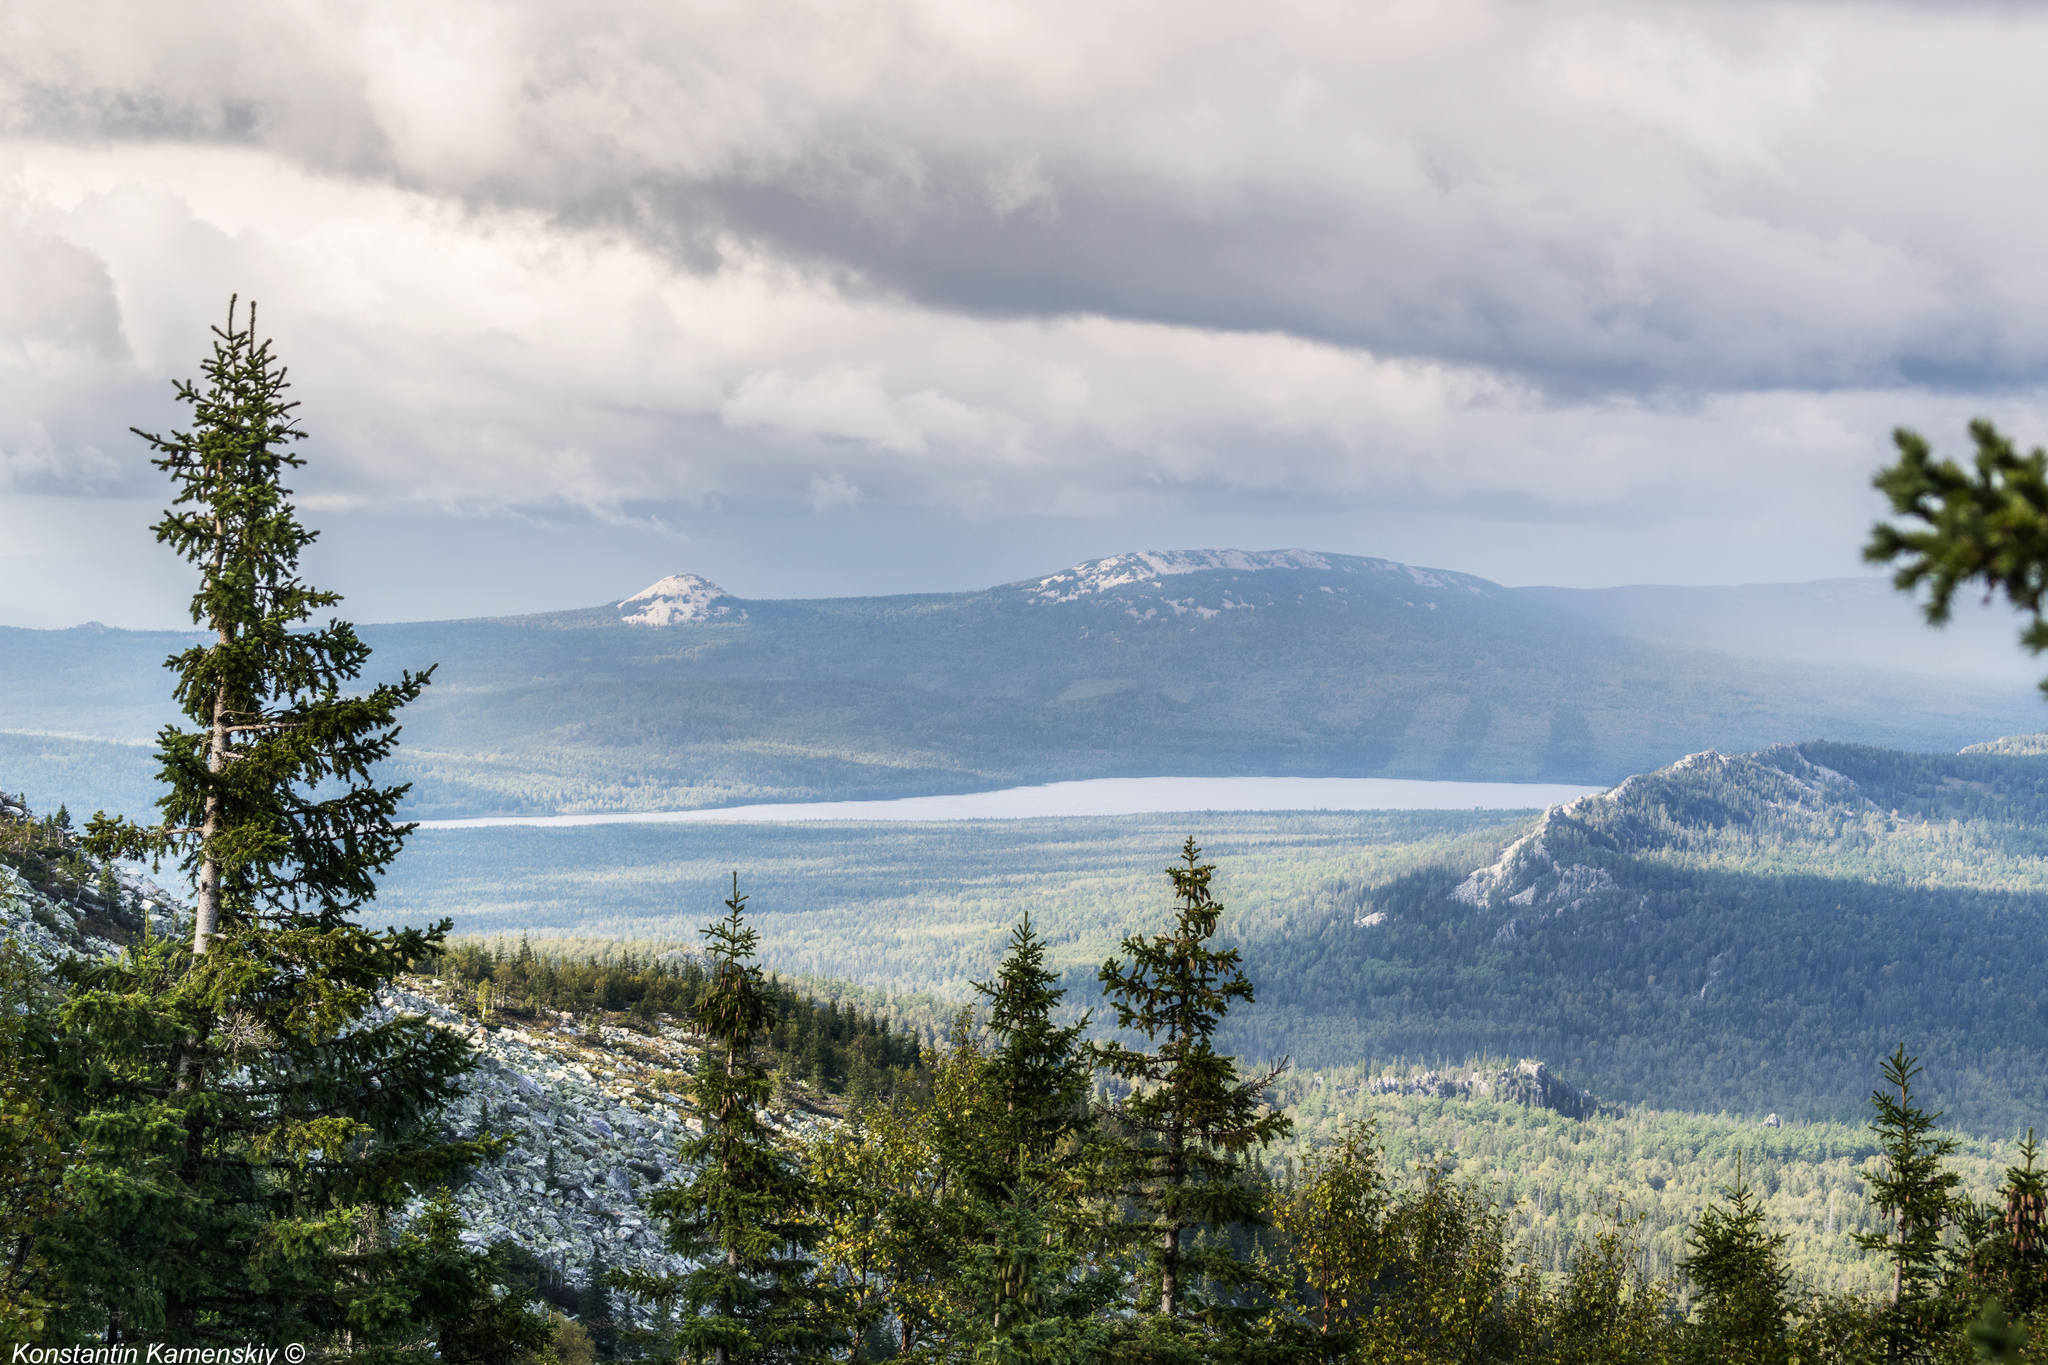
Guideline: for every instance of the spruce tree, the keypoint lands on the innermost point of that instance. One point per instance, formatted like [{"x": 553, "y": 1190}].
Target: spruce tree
[
  {"x": 1034, "y": 1078},
  {"x": 1024, "y": 1282},
  {"x": 33, "y": 1154},
  {"x": 245, "y": 1125},
  {"x": 1191, "y": 1115},
  {"x": 744, "y": 1214},
  {"x": 2020, "y": 1270},
  {"x": 1916, "y": 1195},
  {"x": 2003, "y": 1251},
  {"x": 1744, "y": 1287},
  {"x": 1985, "y": 524}
]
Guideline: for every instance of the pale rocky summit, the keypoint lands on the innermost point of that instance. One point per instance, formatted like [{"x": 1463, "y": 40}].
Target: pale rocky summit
[
  {"x": 1165, "y": 585},
  {"x": 680, "y": 600},
  {"x": 1555, "y": 868}
]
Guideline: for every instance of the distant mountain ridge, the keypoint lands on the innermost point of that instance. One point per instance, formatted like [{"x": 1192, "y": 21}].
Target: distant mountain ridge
[
  {"x": 1145, "y": 575},
  {"x": 1208, "y": 662}
]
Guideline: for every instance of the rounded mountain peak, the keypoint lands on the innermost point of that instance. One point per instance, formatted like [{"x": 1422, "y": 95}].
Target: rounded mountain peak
[{"x": 1148, "y": 571}]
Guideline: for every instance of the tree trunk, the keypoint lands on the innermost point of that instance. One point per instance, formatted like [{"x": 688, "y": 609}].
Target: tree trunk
[
  {"x": 206, "y": 915},
  {"x": 1169, "y": 1269},
  {"x": 1169, "y": 1249}
]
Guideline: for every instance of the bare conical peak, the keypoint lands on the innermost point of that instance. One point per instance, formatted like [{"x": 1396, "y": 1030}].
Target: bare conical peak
[{"x": 679, "y": 600}]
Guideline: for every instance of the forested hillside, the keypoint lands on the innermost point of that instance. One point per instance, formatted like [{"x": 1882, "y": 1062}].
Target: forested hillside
[
  {"x": 1203, "y": 663},
  {"x": 1728, "y": 932},
  {"x": 1740, "y": 933}
]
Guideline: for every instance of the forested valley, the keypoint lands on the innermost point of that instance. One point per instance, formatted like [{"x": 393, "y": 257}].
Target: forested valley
[
  {"x": 1733, "y": 932},
  {"x": 1486, "y": 1212}
]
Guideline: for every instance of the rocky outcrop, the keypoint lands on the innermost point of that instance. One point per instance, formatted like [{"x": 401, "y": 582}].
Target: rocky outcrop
[
  {"x": 1528, "y": 1083},
  {"x": 1562, "y": 866},
  {"x": 595, "y": 1116},
  {"x": 47, "y": 929},
  {"x": 53, "y": 903}
]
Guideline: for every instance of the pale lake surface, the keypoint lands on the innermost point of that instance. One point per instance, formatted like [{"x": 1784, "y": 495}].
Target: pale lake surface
[{"x": 1111, "y": 796}]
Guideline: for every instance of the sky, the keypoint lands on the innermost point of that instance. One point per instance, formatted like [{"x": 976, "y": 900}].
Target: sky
[{"x": 819, "y": 299}]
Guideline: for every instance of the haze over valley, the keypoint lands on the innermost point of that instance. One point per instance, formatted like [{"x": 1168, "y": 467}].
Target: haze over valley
[{"x": 1202, "y": 663}]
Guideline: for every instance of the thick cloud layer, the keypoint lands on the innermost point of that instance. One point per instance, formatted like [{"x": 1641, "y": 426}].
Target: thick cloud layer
[{"x": 1600, "y": 263}]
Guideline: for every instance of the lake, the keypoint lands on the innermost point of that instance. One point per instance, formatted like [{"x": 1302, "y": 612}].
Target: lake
[{"x": 1110, "y": 796}]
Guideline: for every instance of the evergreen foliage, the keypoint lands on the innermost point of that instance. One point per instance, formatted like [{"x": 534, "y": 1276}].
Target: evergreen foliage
[
  {"x": 1915, "y": 1193},
  {"x": 595, "y": 1311},
  {"x": 1034, "y": 1079},
  {"x": 743, "y": 1213},
  {"x": 1744, "y": 1290},
  {"x": 1987, "y": 524},
  {"x": 33, "y": 1156},
  {"x": 1191, "y": 1117},
  {"x": 476, "y": 1317},
  {"x": 2008, "y": 1239},
  {"x": 242, "y": 1129}
]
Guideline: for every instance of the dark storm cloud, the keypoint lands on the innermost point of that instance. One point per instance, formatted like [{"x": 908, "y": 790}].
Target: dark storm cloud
[{"x": 1597, "y": 197}]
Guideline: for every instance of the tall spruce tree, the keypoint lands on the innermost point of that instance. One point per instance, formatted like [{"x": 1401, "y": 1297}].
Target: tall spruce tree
[
  {"x": 245, "y": 1126},
  {"x": 1192, "y": 1117},
  {"x": 1034, "y": 1079},
  {"x": 1025, "y": 1284},
  {"x": 744, "y": 1214},
  {"x": 1914, "y": 1192}
]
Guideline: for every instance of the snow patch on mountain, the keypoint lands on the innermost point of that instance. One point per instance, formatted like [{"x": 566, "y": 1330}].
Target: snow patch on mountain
[
  {"x": 679, "y": 600},
  {"x": 1144, "y": 570}
]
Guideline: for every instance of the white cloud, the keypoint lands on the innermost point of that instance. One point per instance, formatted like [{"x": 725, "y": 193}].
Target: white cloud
[
  {"x": 1551, "y": 259},
  {"x": 833, "y": 493}
]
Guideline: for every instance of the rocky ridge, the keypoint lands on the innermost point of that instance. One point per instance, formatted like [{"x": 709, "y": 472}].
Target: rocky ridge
[
  {"x": 1529, "y": 1083},
  {"x": 1143, "y": 584},
  {"x": 1559, "y": 868}
]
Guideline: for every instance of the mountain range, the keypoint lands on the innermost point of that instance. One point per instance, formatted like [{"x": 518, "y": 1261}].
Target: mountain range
[{"x": 1201, "y": 662}]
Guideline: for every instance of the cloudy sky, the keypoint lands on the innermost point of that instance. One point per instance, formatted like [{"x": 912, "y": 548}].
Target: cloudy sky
[{"x": 876, "y": 297}]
